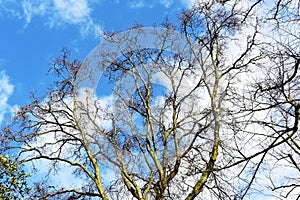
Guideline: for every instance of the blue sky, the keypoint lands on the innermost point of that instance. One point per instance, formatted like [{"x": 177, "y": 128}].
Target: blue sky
[{"x": 34, "y": 31}]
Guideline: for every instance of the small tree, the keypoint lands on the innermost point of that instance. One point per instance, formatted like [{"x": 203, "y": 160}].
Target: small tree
[{"x": 13, "y": 184}]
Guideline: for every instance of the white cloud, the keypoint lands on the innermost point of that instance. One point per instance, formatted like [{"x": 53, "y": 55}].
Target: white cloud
[
  {"x": 72, "y": 11},
  {"x": 166, "y": 3},
  {"x": 54, "y": 13},
  {"x": 8, "y": 8},
  {"x": 6, "y": 90},
  {"x": 137, "y": 4},
  {"x": 91, "y": 27},
  {"x": 142, "y": 3},
  {"x": 31, "y": 9},
  {"x": 76, "y": 12}
]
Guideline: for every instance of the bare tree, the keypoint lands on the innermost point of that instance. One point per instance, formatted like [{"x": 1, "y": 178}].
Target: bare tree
[
  {"x": 208, "y": 113},
  {"x": 262, "y": 120}
]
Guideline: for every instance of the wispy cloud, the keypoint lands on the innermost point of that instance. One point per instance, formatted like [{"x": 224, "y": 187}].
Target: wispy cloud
[
  {"x": 166, "y": 3},
  {"x": 54, "y": 13},
  {"x": 143, "y": 3},
  {"x": 31, "y": 9},
  {"x": 138, "y": 4},
  {"x": 6, "y": 90},
  {"x": 72, "y": 11},
  {"x": 76, "y": 12}
]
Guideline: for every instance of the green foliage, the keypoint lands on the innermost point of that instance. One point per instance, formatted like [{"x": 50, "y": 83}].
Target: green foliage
[{"x": 13, "y": 183}]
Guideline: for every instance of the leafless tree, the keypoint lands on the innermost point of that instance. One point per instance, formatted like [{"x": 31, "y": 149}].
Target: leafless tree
[{"x": 211, "y": 112}]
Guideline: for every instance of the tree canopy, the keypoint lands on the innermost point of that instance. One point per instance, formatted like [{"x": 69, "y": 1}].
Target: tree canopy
[
  {"x": 13, "y": 183},
  {"x": 209, "y": 110}
]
